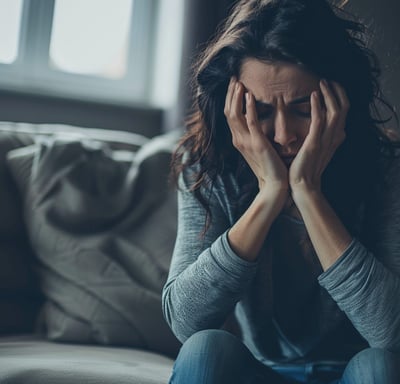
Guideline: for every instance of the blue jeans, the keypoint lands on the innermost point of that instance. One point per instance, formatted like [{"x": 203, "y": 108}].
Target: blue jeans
[{"x": 218, "y": 357}]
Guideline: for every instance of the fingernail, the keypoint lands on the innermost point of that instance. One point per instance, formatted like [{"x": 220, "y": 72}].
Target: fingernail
[
  {"x": 317, "y": 96},
  {"x": 324, "y": 82},
  {"x": 248, "y": 97}
]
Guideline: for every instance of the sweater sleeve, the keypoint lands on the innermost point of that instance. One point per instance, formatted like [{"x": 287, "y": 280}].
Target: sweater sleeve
[
  {"x": 206, "y": 278},
  {"x": 365, "y": 283}
]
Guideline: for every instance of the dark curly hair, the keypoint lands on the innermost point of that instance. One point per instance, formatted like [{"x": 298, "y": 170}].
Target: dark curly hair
[{"x": 321, "y": 38}]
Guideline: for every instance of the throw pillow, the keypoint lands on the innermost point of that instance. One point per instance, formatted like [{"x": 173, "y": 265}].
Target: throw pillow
[
  {"x": 102, "y": 223},
  {"x": 11, "y": 224}
]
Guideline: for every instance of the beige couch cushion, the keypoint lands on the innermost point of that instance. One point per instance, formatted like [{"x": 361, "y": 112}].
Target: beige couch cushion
[{"x": 28, "y": 360}]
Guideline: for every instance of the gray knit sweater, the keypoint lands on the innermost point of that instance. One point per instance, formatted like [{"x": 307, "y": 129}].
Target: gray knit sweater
[{"x": 288, "y": 309}]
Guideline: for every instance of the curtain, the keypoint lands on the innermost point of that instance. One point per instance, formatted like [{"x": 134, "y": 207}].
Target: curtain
[{"x": 201, "y": 20}]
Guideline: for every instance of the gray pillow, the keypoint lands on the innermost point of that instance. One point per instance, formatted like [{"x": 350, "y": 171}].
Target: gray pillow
[
  {"x": 102, "y": 223},
  {"x": 11, "y": 223}
]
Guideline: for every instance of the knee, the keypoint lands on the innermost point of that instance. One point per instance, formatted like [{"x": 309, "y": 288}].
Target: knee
[
  {"x": 374, "y": 365},
  {"x": 211, "y": 356},
  {"x": 212, "y": 342}
]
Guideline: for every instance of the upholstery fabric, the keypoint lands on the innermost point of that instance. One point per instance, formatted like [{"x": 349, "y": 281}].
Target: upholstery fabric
[
  {"x": 102, "y": 223},
  {"x": 19, "y": 289},
  {"x": 11, "y": 223},
  {"x": 19, "y": 295},
  {"x": 27, "y": 360}
]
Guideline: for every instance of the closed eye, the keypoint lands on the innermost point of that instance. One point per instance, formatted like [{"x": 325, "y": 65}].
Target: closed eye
[
  {"x": 303, "y": 114},
  {"x": 301, "y": 107},
  {"x": 264, "y": 112},
  {"x": 302, "y": 110}
]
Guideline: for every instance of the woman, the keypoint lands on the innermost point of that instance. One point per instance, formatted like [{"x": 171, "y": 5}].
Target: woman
[{"x": 288, "y": 215}]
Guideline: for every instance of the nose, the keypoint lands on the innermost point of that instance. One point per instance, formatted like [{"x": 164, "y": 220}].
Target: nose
[{"x": 284, "y": 133}]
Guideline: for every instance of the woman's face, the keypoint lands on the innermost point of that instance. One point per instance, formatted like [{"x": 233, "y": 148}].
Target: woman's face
[{"x": 282, "y": 93}]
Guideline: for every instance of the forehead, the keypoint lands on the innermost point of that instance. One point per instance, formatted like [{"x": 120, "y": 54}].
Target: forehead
[{"x": 268, "y": 81}]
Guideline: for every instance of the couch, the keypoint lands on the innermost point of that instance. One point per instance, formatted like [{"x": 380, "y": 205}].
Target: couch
[{"x": 88, "y": 224}]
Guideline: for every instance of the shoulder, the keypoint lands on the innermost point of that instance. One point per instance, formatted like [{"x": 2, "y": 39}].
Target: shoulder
[
  {"x": 220, "y": 193},
  {"x": 220, "y": 183}
]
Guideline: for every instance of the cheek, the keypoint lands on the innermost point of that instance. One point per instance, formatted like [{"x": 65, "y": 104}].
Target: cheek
[
  {"x": 267, "y": 129},
  {"x": 303, "y": 128}
]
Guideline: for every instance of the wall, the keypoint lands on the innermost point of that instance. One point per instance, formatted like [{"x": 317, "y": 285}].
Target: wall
[
  {"x": 202, "y": 16},
  {"x": 382, "y": 19}
]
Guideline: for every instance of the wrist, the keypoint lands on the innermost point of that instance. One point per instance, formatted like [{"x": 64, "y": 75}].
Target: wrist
[
  {"x": 303, "y": 190},
  {"x": 304, "y": 195},
  {"x": 274, "y": 196}
]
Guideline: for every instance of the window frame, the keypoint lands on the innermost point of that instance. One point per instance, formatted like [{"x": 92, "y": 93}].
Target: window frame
[{"x": 31, "y": 73}]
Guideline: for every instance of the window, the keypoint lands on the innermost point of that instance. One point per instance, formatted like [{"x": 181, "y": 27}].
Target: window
[
  {"x": 103, "y": 50},
  {"x": 107, "y": 35},
  {"x": 10, "y": 20}
]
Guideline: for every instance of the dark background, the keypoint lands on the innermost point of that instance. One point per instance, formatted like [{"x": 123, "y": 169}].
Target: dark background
[
  {"x": 382, "y": 19},
  {"x": 201, "y": 19}
]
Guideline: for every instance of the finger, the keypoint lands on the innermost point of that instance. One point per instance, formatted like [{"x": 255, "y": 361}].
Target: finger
[
  {"x": 344, "y": 104},
  {"x": 229, "y": 95},
  {"x": 237, "y": 98},
  {"x": 237, "y": 103},
  {"x": 235, "y": 118},
  {"x": 330, "y": 100},
  {"x": 343, "y": 100},
  {"x": 320, "y": 139},
  {"x": 317, "y": 118},
  {"x": 251, "y": 113},
  {"x": 333, "y": 133}
]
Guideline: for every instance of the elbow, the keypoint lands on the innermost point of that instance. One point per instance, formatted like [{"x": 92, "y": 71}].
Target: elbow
[
  {"x": 388, "y": 340},
  {"x": 171, "y": 314},
  {"x": 389, "y": 347},
  {"x": 392, "y": 345}
]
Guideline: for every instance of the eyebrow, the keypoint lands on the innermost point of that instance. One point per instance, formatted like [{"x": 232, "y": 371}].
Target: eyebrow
[{"x": 299, "y": 100}]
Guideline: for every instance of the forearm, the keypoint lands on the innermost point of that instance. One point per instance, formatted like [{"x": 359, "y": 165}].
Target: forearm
[
  {"x": 364, "y": 288},
  {"x": 203, "y": 287},
  {"x": 247, "y": 235},
  {"x": 367, "y": 291},
  {"x": 206, "y": 278},
  {"x": 205, "y": 293},
  {"x": 327, "y": 233}
]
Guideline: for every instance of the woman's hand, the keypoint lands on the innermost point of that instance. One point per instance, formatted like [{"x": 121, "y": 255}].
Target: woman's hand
[
  {"x": 249, "y": 140},
  {"x": 328, "y": 235},
  {"x": 325, "y": 136},
  {"x": 248, "y": 234}
]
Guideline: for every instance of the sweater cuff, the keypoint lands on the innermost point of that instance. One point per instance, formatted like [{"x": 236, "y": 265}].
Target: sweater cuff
[
  {"x": 228, "y": 260},
  {"x": 350, "y": 261}
]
